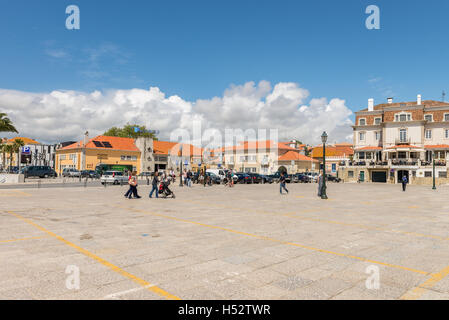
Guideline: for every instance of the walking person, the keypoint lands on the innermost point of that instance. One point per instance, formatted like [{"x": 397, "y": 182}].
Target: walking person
[
  {"x": 130, "y": 190},
  {"x": 404, "y": 182},
  {"x": 189, "y": 178},
  {"x": 154, "y": 186},
  {"x": 133, "y": 183},
  {"x": 282, "y": 183}
]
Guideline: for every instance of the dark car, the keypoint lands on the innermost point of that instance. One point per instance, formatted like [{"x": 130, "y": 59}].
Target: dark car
[
  {"x": 255, "y": 178},
  {"x": 332, "y": 178},
  {"x": 13, "y": 170},
  {"x": 277, "y": 176},
  {"x": 302, "y": 178},
  {"x": 39, "y": 171},
  {"x": 90, "y": 174},
  {"x": 213, "y": 177},
  {"x": 243, "y": 177},
  {"x": 266, "y": 178},
  {"x": 292, "y": 178}
]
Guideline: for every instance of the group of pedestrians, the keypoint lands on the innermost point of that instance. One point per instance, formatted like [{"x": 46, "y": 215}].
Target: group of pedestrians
[
  {"x": 187, "y": 177},
  {"x": 159, "y": 183}
]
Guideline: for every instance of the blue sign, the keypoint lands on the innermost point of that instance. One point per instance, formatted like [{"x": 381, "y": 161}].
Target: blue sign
[
  {"x": 186, "y": 163},
  {"x": 219, "y": 165},
  {"x": 199, "y": 164},
  {"x": 26, "y": 150}
]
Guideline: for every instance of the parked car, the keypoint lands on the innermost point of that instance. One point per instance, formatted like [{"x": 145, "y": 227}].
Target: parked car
[
  {"x": 70, "y": 172},
  {"x": 39, "y": 171},
  {"x": 255, "y": 178},
  {"x": 114, "y": 177},
  {"x": 90, "y": 174},
  {"x": 214, "y": 178},
  {"x": 266, "y": 178},
  {"x": 13, "y": 170},
  {"x": 313, "y": 176},
  {"x": 302, "y": 178},
  {"x": 332, "y": 178},
  {"x": 292, "y": 178},
  {"x": 277, "y": 175},
  {"x": 146, "y": 174},
  {"x": 243, "y": 177}
]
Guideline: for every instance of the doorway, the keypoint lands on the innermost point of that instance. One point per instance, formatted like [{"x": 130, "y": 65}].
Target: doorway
[{"x": 402, "y": 173}]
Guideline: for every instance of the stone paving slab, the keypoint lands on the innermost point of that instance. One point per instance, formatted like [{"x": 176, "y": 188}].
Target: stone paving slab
[{"x": 246, "y": 242}]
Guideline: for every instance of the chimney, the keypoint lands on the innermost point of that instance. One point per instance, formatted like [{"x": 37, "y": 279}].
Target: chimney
[
  {"x": 86, "y": 138},
  {"x": 418, "y": 100},
  {"x": 390, "y": 100},
  {"x": 371, "y": 104}
]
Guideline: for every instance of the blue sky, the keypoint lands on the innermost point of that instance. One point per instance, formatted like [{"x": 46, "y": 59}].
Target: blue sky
[
  {"x": 255, "y": 56},
  {"x": 196, "y": 49}
]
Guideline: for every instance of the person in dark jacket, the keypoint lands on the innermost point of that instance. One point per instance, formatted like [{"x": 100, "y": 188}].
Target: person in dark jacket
[
  {"x": 404, "y": 182},
  {"x": 154, "y": 184},
  {"x": 282, "y": 182},
  {"x": 130, "y": 190}
]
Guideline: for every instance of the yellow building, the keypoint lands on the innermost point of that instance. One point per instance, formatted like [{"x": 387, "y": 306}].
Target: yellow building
[{"x": 87, "y": 154}]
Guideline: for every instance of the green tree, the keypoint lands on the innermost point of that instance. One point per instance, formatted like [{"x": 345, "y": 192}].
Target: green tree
[
  {"x": 8, "y": 148},
  {"x": 6, "y": 124},
  {"x": 18, "y": 143},
  {"x": 128, "y": 131}
]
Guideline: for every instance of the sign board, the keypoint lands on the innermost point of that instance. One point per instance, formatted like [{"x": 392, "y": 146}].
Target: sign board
[
  {"x": 186, "y": 163},
  {"x": 26, "y": 150}
]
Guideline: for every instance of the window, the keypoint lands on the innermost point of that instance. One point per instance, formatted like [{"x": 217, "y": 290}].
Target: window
[
  {"x": 362, "y": 122},
  {"x": 428, "y": 174},
  {"x": 362, "y": 136},
  {"x": 446, "y": 133},
  {"x": 377, "y": 121},
  {"x": 377, "y": 135},
  {"x": 403, "y": 117},
  {"x": 350, "y": 174},
  {"x": 442, "y": 174},
  {"x": 428, "y": 134},
  {"x": 446, "y": 117},
  {"x": 428, "y": 117},
  {"x": 403, "y": 135},
  {"x": 362, "y": 155},
  {"x": 62, "y": 156}
]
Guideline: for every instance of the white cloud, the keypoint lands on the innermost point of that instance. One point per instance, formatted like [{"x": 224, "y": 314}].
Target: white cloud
[{"x": 66, "y": 115}]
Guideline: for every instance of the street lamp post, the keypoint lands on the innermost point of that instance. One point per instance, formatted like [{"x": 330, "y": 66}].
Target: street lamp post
[
  {"x": 180, "y": 171},
  {"x": 433, "y": 173},
  {"x": 323, "y": 189}
]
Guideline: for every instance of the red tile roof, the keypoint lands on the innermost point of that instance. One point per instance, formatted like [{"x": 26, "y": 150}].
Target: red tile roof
[
  {"x": 438, "y": 146},
  {"x": 24, "y": 139},
  {"x": 369, "y": 148},
  {"x": 425, "y": 103},
  {"x": 117, "y": 143},
  {"x": 250, "y": 145},
  {"x": 292, "y": 155}
]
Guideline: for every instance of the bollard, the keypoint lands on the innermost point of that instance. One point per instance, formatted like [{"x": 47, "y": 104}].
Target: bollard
[{"x": 148, "y": 181}]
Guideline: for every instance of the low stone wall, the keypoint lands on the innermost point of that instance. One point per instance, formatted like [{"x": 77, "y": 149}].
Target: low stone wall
[
  {"x": 429, "y": 181},
  {"x": 11, "y": 178}
]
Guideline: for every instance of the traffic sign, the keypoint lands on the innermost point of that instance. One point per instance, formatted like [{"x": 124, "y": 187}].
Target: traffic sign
[{"x": 26, "y": 150}]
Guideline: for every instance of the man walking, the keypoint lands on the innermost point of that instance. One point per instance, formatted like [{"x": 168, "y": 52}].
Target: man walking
[
  {"x": 133, "y": 184},
  {"x": 282, "y": 182},
  {"x": 154, "y": 185},
  {"x": 404, "y": 182}
]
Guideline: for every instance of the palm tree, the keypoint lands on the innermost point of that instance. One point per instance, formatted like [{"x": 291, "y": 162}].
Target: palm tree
[
  {"x": 18, "y": 143},
  {"x": 8, "y": 148},
  {"x": 3, "y": 151},
  {"x": 6, "y": 124}
]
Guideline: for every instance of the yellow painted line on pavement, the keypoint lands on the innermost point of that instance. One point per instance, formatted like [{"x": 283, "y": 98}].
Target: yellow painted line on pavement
[
  {"x": 111, "y": 266},
  {"x": 279, "y": 241},
  {"x": 418, "y": 291},
  {"x": 22, "y": 239},
  {"x": 335, "y": 222}
]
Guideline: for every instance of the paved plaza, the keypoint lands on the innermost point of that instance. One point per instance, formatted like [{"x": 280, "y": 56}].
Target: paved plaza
[{"x": 248, "y": 242}]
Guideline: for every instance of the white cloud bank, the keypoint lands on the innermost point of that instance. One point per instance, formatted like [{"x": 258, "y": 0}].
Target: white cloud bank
[{"x": 66, "y": 115}]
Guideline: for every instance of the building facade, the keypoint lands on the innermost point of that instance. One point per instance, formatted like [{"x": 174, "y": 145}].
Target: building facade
[{"x": 392, "y": 140}]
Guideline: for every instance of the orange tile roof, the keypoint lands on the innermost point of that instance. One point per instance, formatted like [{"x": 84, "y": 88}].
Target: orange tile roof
[
  {"x": 405, "y": 146},
  {"x": 24, "y": 139},
  {"x": 438, "y": 146},
  {"x": 249, "y": 145},
  {"x": 117, "y": 143},
  {"x": 187, "y": 149},
  {"x": 163, "y": 147},
  {"x": 369, "y": 148},
  {"x": 332, "y": 151},
  {"x": 425, "y": 103},
  {"x": 292, "y": 155}
]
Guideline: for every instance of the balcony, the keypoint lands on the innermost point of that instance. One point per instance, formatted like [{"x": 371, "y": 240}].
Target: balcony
[
  {"x": 438, "y": 163},
  {"x": 405, "y": 163},
  {"x": 363, "y": 163},
  {"x": 405, "y": 141}
]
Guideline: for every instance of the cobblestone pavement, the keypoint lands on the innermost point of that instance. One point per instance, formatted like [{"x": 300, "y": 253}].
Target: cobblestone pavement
[{"x": 367, "y": 241}]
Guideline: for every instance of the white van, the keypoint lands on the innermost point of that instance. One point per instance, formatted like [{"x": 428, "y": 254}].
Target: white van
[{"x": 222, "y": 173}]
